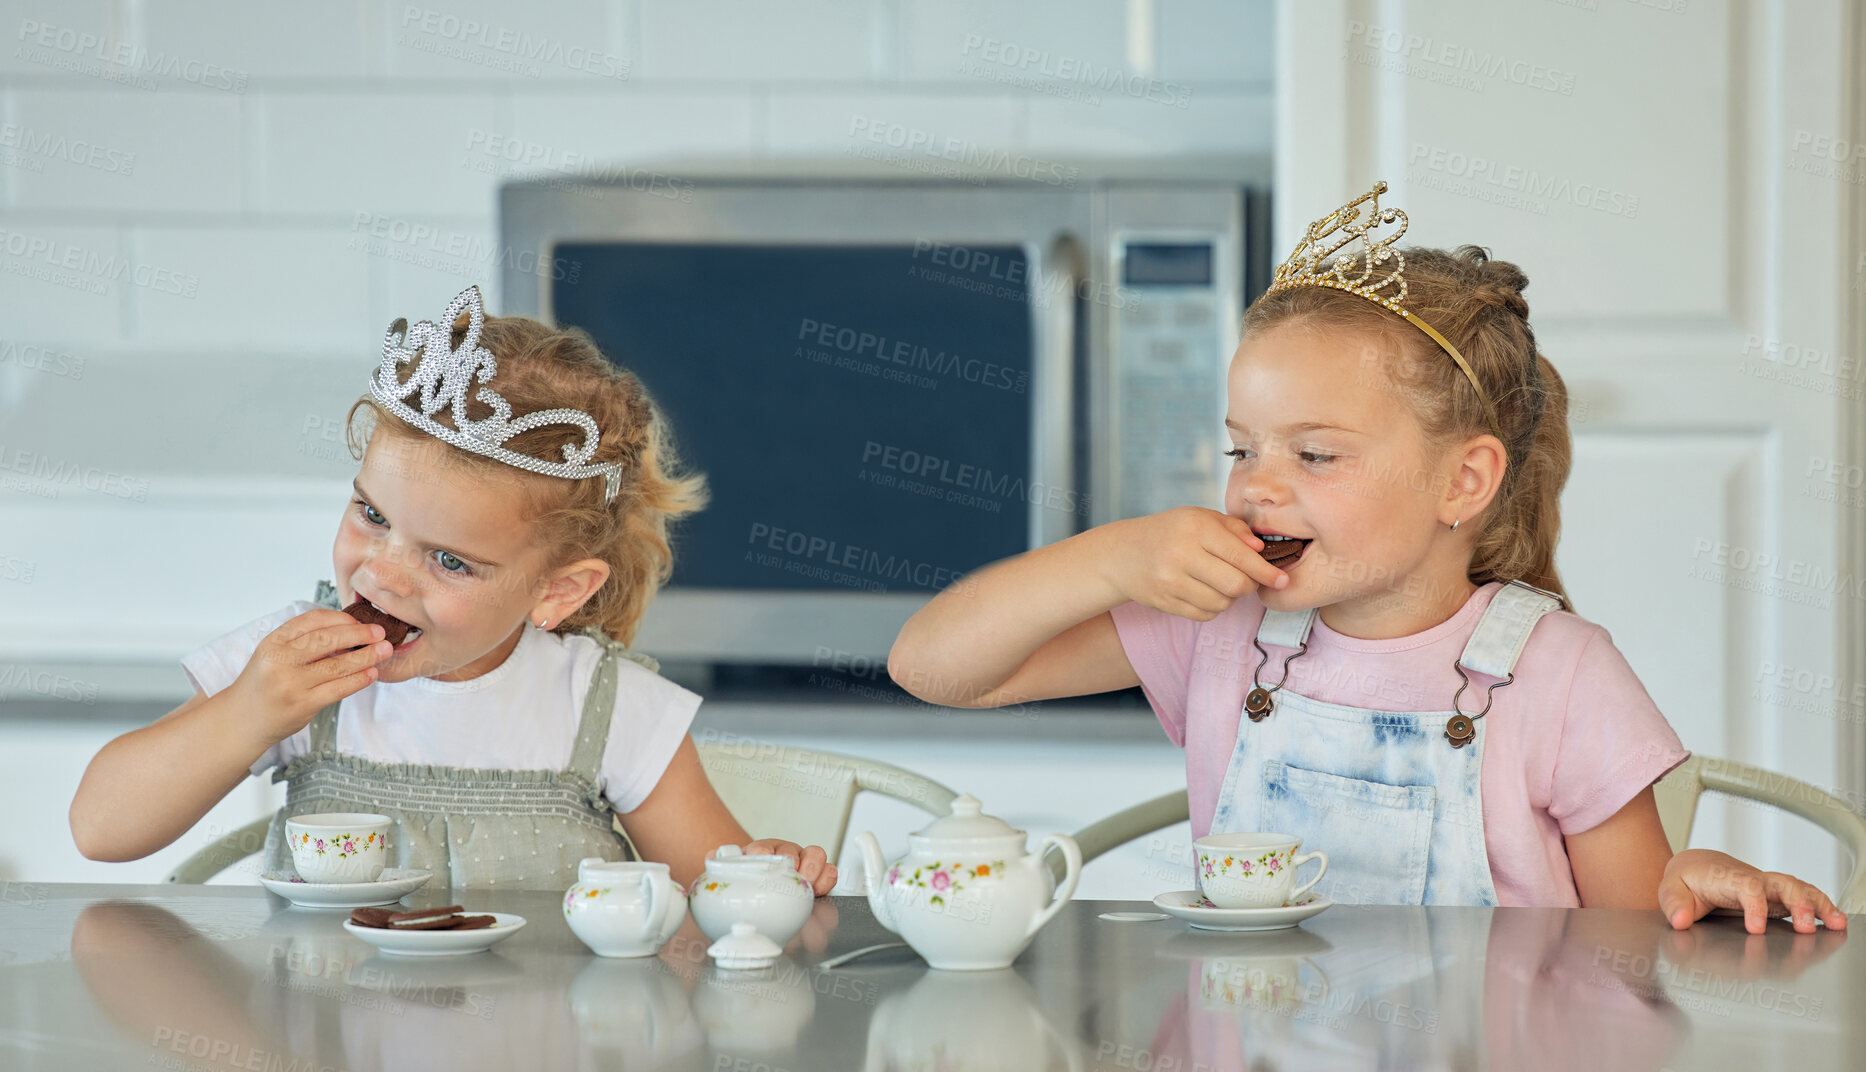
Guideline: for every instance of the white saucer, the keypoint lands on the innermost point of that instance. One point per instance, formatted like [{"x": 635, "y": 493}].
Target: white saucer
[
  {"x": 1186, "y": 904},
  {"x": 407, "y": 943},
  {"x": 394, "y": 884}
]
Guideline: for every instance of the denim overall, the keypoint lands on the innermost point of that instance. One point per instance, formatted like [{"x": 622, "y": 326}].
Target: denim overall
[
  {"x": 1398, "y": 809},
  {"x": 475, "y": 828}
]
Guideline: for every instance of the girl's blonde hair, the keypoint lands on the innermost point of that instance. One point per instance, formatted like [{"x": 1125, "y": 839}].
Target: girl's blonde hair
[
  {"x": 541, "y": 367},
  {"x": 1477, "y": 304}
]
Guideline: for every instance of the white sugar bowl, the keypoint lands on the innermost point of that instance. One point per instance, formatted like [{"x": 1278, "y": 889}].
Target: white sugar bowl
[
  {"x": 763, "y": 890},
  {"x": 624, "y": 909}
]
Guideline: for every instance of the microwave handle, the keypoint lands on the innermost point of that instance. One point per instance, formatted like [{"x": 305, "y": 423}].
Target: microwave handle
[{"x": 1056, "y": 330}]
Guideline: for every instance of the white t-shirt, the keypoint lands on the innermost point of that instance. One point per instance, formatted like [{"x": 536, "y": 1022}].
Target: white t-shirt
[{"x": 521, "y": 715}]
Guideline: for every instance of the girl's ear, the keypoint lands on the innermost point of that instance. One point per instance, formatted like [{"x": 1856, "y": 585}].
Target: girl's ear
[
  {"x": 567, "y": 588},
  {"x": 1481, "y": 463}
]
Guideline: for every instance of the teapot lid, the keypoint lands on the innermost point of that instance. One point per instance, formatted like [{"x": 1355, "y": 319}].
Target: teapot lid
[{"x": 968, "y": 822}]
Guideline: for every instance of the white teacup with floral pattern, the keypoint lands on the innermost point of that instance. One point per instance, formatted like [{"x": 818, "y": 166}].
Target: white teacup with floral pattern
[
  {"x": 339, "y": 846},
  {"x": 1253, "y": 870}
]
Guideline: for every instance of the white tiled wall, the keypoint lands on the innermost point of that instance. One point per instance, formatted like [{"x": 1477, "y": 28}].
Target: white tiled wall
[
  {"x": 249, "y": 136},
  {"x": 210, "y": 200},
  {"x": 214, "y": 208}
]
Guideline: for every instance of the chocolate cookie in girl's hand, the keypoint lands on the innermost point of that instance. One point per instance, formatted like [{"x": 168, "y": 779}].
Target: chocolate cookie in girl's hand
[{"x": 394, "y": 629}]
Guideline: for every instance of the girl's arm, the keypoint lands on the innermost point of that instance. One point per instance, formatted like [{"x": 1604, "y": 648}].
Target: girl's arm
[
  {"x": 683, "y": 820},
  {"x": 1036, "y": 626},
  {"x": 147, "y": 787},
  {"x": 1619, "y": 863},
  {"x": 1626, "y": 862}
]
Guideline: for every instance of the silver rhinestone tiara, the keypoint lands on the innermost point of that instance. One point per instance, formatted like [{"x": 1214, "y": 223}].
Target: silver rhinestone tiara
[{"x": 443, "y": 373}]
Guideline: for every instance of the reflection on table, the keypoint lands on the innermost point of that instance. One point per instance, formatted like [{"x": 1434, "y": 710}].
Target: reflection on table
[{"x": 233, "y": 978}]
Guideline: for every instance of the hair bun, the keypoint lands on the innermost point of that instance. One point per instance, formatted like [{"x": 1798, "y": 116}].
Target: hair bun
[{"x": 1496, "y": 283}]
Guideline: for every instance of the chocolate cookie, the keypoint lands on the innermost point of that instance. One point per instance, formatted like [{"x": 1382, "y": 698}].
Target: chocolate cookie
[
  {"x": 426, "y": 919},
  {"x": 1277, "y": 552},
  {"x": 371, "y": 917},
  {"x": 473, "y": 923},
  {"x": 394, "y": 629}
]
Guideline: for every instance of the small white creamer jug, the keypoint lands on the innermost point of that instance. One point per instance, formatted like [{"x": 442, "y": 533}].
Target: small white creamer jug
[{"x": 624, "y": 909}]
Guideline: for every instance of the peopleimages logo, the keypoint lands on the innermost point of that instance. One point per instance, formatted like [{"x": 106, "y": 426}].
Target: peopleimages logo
[
  {"x": 71, "y": 150},
  {"x": 855, "y": 343},
  {"x": 53, "y": 473},
  {"x": 952, "y": 479},
  {"x": 804, "y": 548},
  {"x": 500, "y": 47},
  {"x": 464, "y": 254},
  {"x": 67, "y": 48},
  {"x": 917, "y": 142},
  {"x": 1023, "y": 59},
  {"x": 1484, "y": 179},
  {"x": 86, "y": 269},
  {"x": 1450, "y": 57}
]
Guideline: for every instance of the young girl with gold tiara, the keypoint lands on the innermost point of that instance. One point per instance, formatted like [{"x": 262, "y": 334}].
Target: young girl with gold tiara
[
  {"x": 1369, "y": 647},
  {"x": 511, "y": 723}
]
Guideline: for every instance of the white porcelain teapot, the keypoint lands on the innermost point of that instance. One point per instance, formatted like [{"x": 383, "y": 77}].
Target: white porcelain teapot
[
  {"x": 624, "y": 909},
  {"x": 968, "y": 896}
]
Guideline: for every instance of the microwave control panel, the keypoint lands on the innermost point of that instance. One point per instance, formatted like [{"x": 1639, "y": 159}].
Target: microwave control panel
[{"x": 1171, "y": 345}]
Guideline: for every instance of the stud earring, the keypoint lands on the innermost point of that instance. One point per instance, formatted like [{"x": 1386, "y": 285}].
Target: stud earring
[
  {"x": 544, "y": 625},
  {"x": 1454, "y": 523}
]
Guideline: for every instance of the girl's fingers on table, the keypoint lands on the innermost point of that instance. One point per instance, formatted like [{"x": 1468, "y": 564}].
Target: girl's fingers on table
[
  {"x": 1804, "y": 903},
  {"x": 812, "y": 865},
  {"x": 1681, "y": 904},
  {"x": 1755, "y": 904},
  {"x": 1798, "y": 903},
  {"x": 825, "y": 880}
]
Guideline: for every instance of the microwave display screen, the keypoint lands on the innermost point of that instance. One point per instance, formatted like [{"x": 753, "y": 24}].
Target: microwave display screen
[
  {"x": 862, "y": 414},
  {"x": 1180, "y": 265}
]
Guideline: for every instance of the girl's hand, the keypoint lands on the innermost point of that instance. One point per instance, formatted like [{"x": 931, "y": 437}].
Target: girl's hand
[
  {"x": 812, "y": 863},
  {"x": 305, "y": 665},
  {"x": 1188, "y": 561},
  {"x": 1698, "y": 880}
]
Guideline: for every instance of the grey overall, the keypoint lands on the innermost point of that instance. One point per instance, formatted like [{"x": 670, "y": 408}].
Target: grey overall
[{"x": 474, "y": 828}]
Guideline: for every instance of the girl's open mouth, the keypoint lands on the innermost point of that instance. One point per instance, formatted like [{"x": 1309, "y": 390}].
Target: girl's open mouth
[
  {"x": 1282, "y": 551},
  {"x": 395, "y": 630}
]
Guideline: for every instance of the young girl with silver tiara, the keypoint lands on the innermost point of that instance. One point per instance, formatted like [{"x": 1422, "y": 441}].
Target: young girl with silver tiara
[
  {"x": 1369, "y": 647},
  {"x": 511, "y": 723}
]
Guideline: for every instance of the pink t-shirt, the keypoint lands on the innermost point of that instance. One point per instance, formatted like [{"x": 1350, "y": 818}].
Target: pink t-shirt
[{"x": 1565, "y": 746}]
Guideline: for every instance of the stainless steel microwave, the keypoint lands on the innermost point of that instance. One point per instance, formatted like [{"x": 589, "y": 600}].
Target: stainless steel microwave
[{"x": 891, "y": 380}]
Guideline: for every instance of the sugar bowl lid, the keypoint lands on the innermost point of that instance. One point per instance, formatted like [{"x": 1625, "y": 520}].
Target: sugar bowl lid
[
  {"x": 968, "y": 823},
  {"x": 744, "y": 949}
]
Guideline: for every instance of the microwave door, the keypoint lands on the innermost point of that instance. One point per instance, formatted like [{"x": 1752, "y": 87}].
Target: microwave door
[{"x": 875, "y": 419}]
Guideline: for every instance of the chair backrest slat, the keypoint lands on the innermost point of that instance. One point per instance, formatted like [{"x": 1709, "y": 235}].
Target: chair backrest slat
[{"x": 807, "y": 796}]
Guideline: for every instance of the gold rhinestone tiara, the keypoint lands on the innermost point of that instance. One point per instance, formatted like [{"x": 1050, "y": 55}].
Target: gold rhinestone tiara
[{"x": 1355, "y": 270}]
